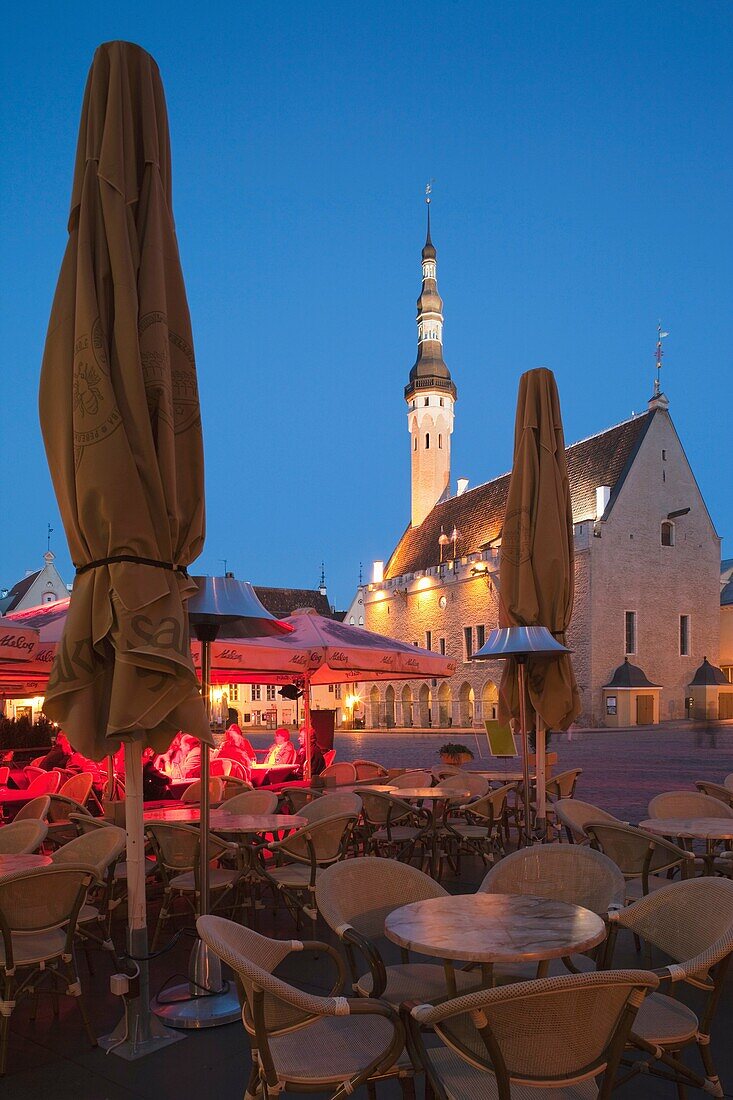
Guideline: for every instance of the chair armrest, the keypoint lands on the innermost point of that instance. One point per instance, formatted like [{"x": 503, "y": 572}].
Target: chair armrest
[
  {"x": 350, "y": 936},
  {"x": 320, "y": 948}
]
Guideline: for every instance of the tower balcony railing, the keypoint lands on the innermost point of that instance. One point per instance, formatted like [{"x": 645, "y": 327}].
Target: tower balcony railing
[{"x": 431, "y": 382}]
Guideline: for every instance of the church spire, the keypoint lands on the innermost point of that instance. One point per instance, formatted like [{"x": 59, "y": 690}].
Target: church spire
[{"x": 429, "y": 369}]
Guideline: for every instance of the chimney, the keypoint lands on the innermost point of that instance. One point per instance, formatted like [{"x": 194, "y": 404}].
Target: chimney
[
  {"x": 462, "y": 486},
  {"x": 603, "y": 495},
  {"x": 377, "y": 572}
]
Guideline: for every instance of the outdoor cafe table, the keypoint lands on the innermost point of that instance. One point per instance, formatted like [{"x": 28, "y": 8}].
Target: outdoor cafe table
[
  {"x": 277, "y": 773},
  {"x": 710, "y": 829},
  {"x": 10, "y": 863},
  {"x": 494, "y": 928},
  {"x": 439, "y": 796}
]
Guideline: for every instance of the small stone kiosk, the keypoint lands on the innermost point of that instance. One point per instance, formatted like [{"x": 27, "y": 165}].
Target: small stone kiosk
[
  {"x": 711, "y": 693},
  {"x": 630, "y": 698}
]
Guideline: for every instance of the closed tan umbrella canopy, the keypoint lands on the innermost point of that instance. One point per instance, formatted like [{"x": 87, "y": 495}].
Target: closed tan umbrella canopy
[
  {"x": 121, "y": 424},
  {"x": 537, "y": 558}
]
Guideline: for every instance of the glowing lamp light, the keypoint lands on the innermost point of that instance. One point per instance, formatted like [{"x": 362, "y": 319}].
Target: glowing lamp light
[{"x": 377, "y": 572}]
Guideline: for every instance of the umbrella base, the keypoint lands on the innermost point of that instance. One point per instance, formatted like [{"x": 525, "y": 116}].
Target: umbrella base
[{"x": 127, "y": 1041}]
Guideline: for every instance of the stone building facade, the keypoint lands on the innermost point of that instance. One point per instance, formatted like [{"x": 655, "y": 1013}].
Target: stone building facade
[{"x": 647, "y": 561}]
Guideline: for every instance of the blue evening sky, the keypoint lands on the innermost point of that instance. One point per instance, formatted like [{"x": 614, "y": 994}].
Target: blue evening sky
[{"x": 583, "y": 159}]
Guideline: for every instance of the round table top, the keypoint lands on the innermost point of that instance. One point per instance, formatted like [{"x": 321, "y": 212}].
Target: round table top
[
  {"x": 222, "y": 822},
  {"x": 9, "y": 864},
  {"x": 436, "y": 793},
  {"x": 357, "y": 788},
  {"x": 10, "y": 796},
  {"x": 494, "y": 928},
  {"x": 692, "y": 828}
]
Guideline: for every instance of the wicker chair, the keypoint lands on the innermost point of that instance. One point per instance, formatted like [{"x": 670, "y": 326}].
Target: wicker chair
[
  {"x": 4, "y": 775},
  {"x": 35, "y": 810},
  {"x": 480, "y": 830},
  {"x": 45, "y": 783},
  {"x": 251, "y": 802},
  {"x": 574, "y": 815},
  {"x": 22, "y": 838},
  {"x": 688, "y": 804},
  {"x": 61, "y": 827},
  {"x": 340, "y": 773},
  {"x": 218, "y": 768},
  {"x": 728, "y": 782},
  {"x": 301, "y": 1042},
  {"x": 412, "y": 779},
  {"x": 563, "y": 785},
  {"x": 294, "y": 798},
  {"x": 691, "y": 922},
  {"x": 548, "y": 1038},
  {"x": 192, "y": 793},
  {"x": 477, "y": 785},
  {"x": 299, "y": 859},
  {"x": 176, "y": 850},
  {"x": 715, "y": 790},
  {"x": 232, "y": 785},
  {"x": 78, "y": 787},
  {"x": 646, "y": 861},
  {"x": 368, "y": 769},
  {"x": 331, "y": 805},
  {"x": 354, "y": 898},
  {"x": 38, "y": 915},
  {"x": 391, "y": 827},
  {"x": 99, "y": 848}
]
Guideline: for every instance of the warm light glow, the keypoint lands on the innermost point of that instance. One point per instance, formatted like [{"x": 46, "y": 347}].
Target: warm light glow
[
  {"x": 424, "y": 582},
  {"x": 377, "y": 572}
]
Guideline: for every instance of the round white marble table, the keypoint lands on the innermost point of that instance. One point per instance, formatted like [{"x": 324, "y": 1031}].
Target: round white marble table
[
  {"x": 712, "y": 830},
  {"x": 491, "y": 928},
  {"x": 10, "y": 863},
  {"x": 222, "y": 822},
  {"x": 440, "y": 796}
]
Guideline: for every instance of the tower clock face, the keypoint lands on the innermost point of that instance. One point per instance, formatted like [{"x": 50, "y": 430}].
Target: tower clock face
[{"x": 442, "y": 602}]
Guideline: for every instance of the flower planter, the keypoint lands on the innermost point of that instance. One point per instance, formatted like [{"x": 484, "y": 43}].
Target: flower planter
[{"x": 457, "y": 760}]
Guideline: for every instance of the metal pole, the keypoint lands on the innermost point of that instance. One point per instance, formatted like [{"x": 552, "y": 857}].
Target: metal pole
[
  {"x": 540, "y": 750},
  {"x": 307, "y": 720},
  {"x": 205, "y": 793},
  {"x": 521, "y": 674}
]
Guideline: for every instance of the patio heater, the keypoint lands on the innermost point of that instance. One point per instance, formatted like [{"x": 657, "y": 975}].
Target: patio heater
[
  {"x": 207, "y": 1001},
  {"x": 521, "y": 642}
]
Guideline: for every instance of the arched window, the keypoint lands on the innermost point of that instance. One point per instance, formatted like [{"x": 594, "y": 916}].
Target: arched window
[
  {"x": 667, "y": 533},
  {"x": 415, "y": 447},
  {"x": 49, "y": 597},
  {"x": 440, "y": 442},
  {"x": 427, "y": 441}
]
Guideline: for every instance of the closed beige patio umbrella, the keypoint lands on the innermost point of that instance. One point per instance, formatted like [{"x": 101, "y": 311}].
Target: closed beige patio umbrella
[
  {"x": 537, "y": 577},
  {"x": 121, "y": 423}
]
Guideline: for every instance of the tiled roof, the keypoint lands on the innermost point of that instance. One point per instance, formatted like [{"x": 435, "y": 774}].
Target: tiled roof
[
  {"x": 629, "y": 676},
  {"x": 283, "y": 601},
  {"x": 708, "y": 675},
  {"x": 17, "y": 592},
  {"x": 478, "y": 514},
  {"x": 726, "y": 595}
]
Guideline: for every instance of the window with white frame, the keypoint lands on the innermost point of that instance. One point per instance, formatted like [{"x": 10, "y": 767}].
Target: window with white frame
[
  {"x": 684, "y": 635},
  {"x": 233, "y": 693},
  {"x": 271, "y": 693},
  {"x": 256, "y": 695},
  {"x": 667, "y": 534},
  {"x": 630, "y": 632}
]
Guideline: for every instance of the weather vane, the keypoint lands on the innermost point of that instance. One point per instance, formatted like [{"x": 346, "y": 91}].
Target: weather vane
[
  {"x": 49, "y": 532},
  {"x": 428, "y": 191},
  {"x": 658, "y": 356}
]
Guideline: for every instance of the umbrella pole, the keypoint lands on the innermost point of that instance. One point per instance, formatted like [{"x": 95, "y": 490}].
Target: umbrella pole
[
  {"x": 207, "y": 1000},
  {"x": 540, "y": 750},
  {"x": 521, "y": 676},
  {"x": 307, "y": 720},
  {"x": 138, "y": 1033}
]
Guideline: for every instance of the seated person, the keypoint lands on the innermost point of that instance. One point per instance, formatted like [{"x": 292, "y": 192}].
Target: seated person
[
  {"x": 58, "y": 755},
  {"x": 189, "y": 763},
  {"x": 281, "y": 751},
  {"x": 235, "y": 746},
  {"x": 155, "y": 783},
  {"x": 317, "y": 761}
]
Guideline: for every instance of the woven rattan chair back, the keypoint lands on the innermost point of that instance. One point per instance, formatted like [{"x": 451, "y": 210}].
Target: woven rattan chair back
[
  {"x": 688, "y": 920},
  {"x": 232, "y": 785},
  {"x": 477, "y": 785},
  {"x": 341, "y": 772},
  {"x": 297, "y": 797},
  {"x": 380, "y": 807},
  {"x": 251, "y": 802},
  {"x": 42, "y": 899},
  {"x": 47, "y": 783},
  {"x": 330, "y": 805},
  {"x": 79, "y": 787},
  {"x": 368, "y": 769},
  {"x": 35, "y": 810},
  {"x": 715, "y": 790},
  {"x": 362, "y": 892},
  {"x": 575, "y": 874},
  {"x": 552, "y": 1031},
  {"x": 22, "y": 838},
  {"x": 326, "y": 839},
  {"x": 635, "y": 852},
  {"x": 491, "y": 807},
  {"x": 97, "y": 849},
  {"x": 563, "y": 785},
  {"x": 193, "y": 792},
  {"x": 412, "y": 779},
  {"x": 688, "y": 804},
  {"x": 61, "y": 807},
  {"x": 574, "y": 815}
]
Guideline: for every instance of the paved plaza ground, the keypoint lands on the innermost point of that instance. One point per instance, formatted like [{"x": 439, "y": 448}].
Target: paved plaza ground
[{"x": 621, "y": 770}]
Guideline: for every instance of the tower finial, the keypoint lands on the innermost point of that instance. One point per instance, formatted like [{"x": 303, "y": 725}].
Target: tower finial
[
  {"x": 428, "y": 193},
  {"x": 658, "y": 356}
]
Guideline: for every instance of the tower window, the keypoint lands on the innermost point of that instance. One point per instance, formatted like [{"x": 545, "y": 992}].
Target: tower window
[
  {"x": 426, "y": 402},
  {"x": 440, "y": 442},
  {"x": 630, "y": 631},
  {"x": 684, "y": 635},
  {"x": 415, "y": 446},
  {"x": 427, "y": 441},
  {"x": 667, "y": 534},
  {"x": 442, "y": 402}
]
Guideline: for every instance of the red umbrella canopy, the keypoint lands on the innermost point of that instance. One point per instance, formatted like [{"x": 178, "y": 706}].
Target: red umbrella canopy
[{"x": 327, "y": 652}]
